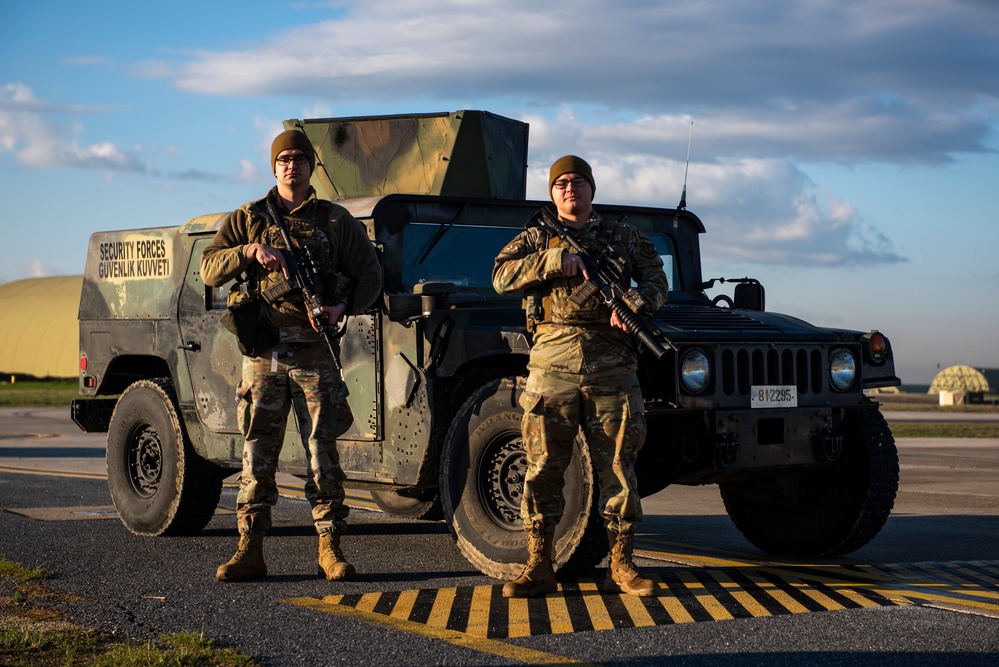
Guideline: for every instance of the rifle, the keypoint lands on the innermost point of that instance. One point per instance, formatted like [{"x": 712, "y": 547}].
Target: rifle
[
  {"x": 305, "y": 272},
  {"x": 606, "y": 277}
]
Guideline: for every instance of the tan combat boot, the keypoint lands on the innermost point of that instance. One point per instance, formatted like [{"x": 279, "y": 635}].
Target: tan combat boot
[
  {"x": 332, "y": 563},
  {"x": 248, "y": 563},
  {"x": 538, "y": 577},
  {"x": 622, "y": 575}
]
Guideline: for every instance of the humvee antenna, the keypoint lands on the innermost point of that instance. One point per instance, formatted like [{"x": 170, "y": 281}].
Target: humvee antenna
[{"x": 683, "y": 195}]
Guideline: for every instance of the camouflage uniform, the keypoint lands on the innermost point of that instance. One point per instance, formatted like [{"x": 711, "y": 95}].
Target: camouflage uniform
[
  {"x": 299, "y": 370},
  {"x": 583, "y": 371}
]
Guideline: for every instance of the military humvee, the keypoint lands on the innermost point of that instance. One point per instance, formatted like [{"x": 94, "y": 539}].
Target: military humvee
[{"x": 766, "y": 406}]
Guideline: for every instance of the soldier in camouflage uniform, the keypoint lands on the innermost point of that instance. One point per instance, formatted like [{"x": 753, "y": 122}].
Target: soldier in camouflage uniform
[
  {"x": 582, "y": 374},
  {"x": 298, "y": 370}
]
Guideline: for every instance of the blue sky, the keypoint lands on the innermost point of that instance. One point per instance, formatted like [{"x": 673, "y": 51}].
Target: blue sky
[{"x": 844, "y": 153}]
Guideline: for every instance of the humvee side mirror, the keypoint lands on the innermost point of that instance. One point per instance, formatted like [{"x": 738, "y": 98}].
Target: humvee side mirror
[{"x": 750, "y": 295}]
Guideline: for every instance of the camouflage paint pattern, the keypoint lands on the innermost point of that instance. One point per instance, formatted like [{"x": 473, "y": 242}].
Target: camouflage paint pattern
[
  {"x": 132, "y": 274},
  {"x": 303, "y": 376},
  {"x": 467, "y": 153}
]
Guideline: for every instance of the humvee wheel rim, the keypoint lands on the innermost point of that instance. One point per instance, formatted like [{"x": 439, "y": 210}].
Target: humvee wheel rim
[
  {"x": 504, "y": 466},
  {"x": 144, "y": 456}
]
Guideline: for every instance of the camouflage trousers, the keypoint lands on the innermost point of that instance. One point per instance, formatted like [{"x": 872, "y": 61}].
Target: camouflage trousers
[
  {"x": 608, "y": 408},
  {"x": 301, "y": 375}
]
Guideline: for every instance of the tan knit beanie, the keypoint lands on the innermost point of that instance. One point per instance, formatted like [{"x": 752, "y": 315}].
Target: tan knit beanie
[{"x": 293, "y": 139}]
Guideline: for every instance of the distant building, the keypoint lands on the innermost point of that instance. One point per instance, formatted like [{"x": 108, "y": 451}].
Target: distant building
[
  {"x": 966, "y": 378},
  {"x": 39, "y": 333}
]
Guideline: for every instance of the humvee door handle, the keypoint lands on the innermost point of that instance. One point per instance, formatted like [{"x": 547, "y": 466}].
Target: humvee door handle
[{"x": 190, "y": 346}]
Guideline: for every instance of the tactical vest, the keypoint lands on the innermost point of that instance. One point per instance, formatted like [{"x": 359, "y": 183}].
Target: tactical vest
[
  {"x": 314, "y": 232},
  {"x": 549, "y": 302}
]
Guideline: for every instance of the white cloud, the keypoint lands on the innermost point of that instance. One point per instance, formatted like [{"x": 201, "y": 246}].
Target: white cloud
[
  {"x": 34, "y": 132},
  {"x": 771, "y": 88},
  {"x": 756, "y": 209},
  {"x": 26, "y": 131},
  {"x": 842, "y": 81}
]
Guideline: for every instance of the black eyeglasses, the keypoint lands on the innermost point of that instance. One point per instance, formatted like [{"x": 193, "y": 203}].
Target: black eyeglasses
[
  {"x": 563, "y": 183},
  {"x": 298, "y": 158}
]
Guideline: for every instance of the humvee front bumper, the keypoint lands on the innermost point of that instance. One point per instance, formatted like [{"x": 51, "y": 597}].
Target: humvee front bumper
[{"x": 718, "y": 445}]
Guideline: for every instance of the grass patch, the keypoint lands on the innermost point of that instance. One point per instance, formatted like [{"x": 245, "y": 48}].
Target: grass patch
[
  {"x": 35, "y": 636},
  {"x": 17, "y": 572},
  {"x": 901, "y": 429},
  {"x": 85, "y": 648},
  {"x": 38, "y": 393},
  {"x": 931, "y": 403}
]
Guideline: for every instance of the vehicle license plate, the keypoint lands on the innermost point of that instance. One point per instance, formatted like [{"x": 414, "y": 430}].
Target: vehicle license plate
[{"x": 774, "y": 396}]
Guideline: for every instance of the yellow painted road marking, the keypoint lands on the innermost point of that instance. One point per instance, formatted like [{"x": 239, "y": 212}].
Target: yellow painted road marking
[
  {"x": 684, "y": 596},
  {"x": 709, "y": 602},
  {"x": 367, "y": 602},
  {"x": 933, "y": 597},
  {"x": 558, "y": 615},
  {"x": 640, "y": 617},
  {"x": 513, "y": 652},
  {"x": 741, "y": 596},
  {"x": 53, "y": 473},
  {"x": 823, "y": 599},
  {"x": 404, "y": 605},
  {"x": 478, "y": 614},
  {"x": 676, "y": 611},
  {"x": 776, "y": 593},
  {"x": 520, "y": 625},
  {"x": 857, "y": 598},
  {"x": 599, "y": 617},
  {"x": 442, "y": 607}
]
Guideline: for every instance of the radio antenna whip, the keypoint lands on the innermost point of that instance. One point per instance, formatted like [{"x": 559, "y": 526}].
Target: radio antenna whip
[{"x": 683, "y": 195}]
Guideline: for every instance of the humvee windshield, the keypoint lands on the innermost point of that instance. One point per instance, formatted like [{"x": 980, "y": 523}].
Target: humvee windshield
[{"x": 464, "y": 254}]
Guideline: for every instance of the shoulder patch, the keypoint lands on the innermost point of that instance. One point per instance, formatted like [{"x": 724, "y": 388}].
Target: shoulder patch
[{"x": 646, "y": 249}]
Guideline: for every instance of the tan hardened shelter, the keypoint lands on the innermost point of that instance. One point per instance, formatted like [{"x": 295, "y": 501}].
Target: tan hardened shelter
[
  {"x": 39, "y": 335},
  {"x": 961, "y": 378}
]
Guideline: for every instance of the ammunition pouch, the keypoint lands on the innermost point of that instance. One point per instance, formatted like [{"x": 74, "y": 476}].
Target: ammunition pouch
[
  {"x": 246, "y": 319},
  {"x": 278, "y": 290},
  {"x": 533, "y": 308}
]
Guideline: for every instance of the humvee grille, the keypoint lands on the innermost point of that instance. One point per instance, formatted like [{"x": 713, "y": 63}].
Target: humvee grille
[{"x": 743, "y": 368}]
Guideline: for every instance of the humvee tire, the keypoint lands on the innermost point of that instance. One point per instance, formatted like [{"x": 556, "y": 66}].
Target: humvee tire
[
  {"x": 836, "y": 508},
  {"x": 159, "y": 484},
  {"x": 406, "y": 505},
  {"x": 482, "y": 476}
]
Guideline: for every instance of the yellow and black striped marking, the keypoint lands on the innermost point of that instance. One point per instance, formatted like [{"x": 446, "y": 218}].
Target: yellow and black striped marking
[
  {"x": 687, "y": 596},
  {"x": 684, "y": 597}
]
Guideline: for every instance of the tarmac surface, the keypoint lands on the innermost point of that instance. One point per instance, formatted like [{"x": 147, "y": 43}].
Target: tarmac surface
[{"x": 924, "y": 592}]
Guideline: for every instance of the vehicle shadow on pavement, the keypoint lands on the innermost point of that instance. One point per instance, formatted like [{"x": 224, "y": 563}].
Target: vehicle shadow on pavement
[{"x": 904, "y": 538}]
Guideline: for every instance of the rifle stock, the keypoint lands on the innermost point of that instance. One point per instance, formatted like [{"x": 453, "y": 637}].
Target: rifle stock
[{"x": 607, "y": 278}]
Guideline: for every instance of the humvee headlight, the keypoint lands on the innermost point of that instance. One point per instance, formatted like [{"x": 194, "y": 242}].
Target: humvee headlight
[
  {"x": 842, "y": 369},
  {"x": 695, "y": 371}
]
